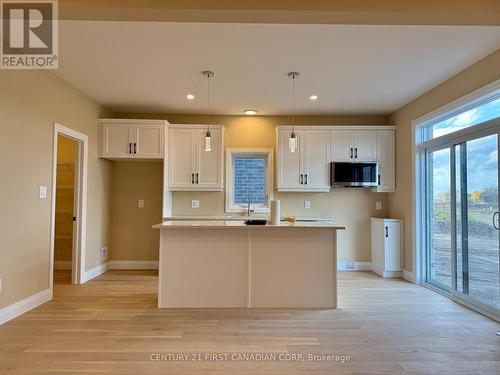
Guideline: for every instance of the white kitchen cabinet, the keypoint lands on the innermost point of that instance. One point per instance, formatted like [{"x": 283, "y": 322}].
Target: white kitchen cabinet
[
  {"x": 306, "y": 169},
  {"x": 353, "y": 145},
  {"x": 190, "y": 167},
  {"x": 386, "y": 237},
  {"x": 132, "y": 139},
  {"x": 386, "y": 161}
]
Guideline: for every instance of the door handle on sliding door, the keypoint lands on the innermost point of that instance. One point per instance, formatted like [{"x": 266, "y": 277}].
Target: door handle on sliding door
[{"x": 495, "y": 216}]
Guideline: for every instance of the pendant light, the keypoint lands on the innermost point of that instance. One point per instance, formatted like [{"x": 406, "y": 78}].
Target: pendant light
[
  {"x": 292, "y": 142},
  {"x": 208, "y": 138}
]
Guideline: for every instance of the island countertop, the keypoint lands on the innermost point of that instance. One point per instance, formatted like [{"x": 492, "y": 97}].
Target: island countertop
[{"x": 241, "y": 224}]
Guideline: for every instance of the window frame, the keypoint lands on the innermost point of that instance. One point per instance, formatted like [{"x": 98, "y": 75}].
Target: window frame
[
  {"x": 420, "y": 146},
  {"x": 233, "y": 207}
]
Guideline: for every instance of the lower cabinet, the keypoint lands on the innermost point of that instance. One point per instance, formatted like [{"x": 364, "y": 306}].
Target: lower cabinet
[{"x": 387, "y": 236}]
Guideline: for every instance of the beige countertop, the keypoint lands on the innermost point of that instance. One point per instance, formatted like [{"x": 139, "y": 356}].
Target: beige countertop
[
  {"x": 237, "y": 217},
  {"x": 241, "y": 224}
]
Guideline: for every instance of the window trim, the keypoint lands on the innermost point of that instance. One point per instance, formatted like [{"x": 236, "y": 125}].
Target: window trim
[{"x": 230, "y": 152}]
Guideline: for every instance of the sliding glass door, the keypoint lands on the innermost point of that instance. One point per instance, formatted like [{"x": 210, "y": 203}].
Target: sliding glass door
[
  {"x": 462, "y": 217},
  {"x": 477, "y": 236}
]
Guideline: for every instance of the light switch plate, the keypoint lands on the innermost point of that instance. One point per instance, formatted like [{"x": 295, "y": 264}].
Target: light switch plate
[
  {"x": 307, "y": 205},
  {"x": 195, "y": 203},
  {"x": 104, "y": 253},
  {"x": 140, "y": 203},
  {"x": 43, "y": 192},
  {"x": 378, "y": 205}
]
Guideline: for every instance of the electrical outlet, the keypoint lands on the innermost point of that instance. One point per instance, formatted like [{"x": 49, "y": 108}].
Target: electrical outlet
[
  {"x": 43, "y": 192},
  {"x": 378, "y": 205},
  {"x": 195, "y": 203},
  {"x": 349, "y": 265},
  {"x": 104, "y": 253},
  {"x": 140, "y": 203},
  {"x": 307, "y": 205}
]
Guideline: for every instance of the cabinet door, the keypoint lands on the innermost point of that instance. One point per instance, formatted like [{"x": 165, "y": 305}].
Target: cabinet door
[
  {"x": 392, "y": 244},
  {"x": 341, "y": 145},
  {"x": 377, "y": 237},
  {"x": 289, "y": 163},
  {"x": 149, "y": 141},
  {"x": 116, "y": 140},
  {"x": 365, "y": 145},
  {"x": 181, "y": 154},
  {"x": 208, "y": 164},
  {"x": 386, "y": 161},
  {"x": 316, "y": 151}
]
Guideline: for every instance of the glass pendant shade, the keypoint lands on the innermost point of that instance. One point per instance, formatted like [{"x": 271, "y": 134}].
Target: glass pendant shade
[
  {"x": 292, "y": 142},
  {"x": 208, "y": 141}
]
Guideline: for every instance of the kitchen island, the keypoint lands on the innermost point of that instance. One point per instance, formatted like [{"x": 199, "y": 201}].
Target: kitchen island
[{"x": 229, "y": 264}]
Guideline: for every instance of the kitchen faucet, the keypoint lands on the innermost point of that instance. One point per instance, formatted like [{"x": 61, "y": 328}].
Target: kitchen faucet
[{"x": 249, "y": 202}]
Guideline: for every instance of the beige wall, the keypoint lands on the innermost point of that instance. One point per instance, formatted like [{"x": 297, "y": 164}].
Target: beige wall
[
  {"x": 132, "y": 237},
  {"x": 352, "y": 207},
  {"x": 472, "y": 78},
  {"x": 30, "y": 102}
]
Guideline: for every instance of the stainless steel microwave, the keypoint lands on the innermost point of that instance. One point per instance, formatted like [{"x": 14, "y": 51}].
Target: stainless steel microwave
[{"x": 359, "y": 174}]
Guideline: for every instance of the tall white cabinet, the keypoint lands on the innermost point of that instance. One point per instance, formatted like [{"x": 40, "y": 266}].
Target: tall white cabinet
[
  {"x": 306, "y": 169},
  {"x": 386, "y": 161},
  {"x": 387, "y": 237},
  {"x": 132, "y": 138},
  {"x": 190, "y": 167}
]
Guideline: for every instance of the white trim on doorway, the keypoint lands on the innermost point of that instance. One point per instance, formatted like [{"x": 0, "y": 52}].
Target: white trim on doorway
[{"x": 81, "y": 169}]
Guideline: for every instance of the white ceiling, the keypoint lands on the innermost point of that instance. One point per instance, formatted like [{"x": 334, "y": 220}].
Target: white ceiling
[{"x": 150, "y": 67}]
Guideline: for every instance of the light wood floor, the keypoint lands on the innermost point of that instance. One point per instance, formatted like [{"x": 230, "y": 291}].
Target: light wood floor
[{"x": 111, "y": 326}]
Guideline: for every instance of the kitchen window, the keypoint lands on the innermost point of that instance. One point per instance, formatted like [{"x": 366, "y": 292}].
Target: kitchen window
[{"x": 249, "y": 174}]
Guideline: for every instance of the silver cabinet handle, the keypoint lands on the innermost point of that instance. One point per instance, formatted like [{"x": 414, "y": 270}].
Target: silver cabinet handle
[{"x": 495, "y": 215}]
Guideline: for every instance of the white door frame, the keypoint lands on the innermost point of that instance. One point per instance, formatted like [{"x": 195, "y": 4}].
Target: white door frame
[{"x": 80, "y": 204}]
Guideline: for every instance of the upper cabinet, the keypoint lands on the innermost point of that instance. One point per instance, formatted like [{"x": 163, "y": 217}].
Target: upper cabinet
[
  {"x": 132, "y": 139},
  {"x": 306, "y": 169},
  {"x": 354, "y": 145},
  {"x": 190, "y": 167},
  {"x": 386, "y": 161}
]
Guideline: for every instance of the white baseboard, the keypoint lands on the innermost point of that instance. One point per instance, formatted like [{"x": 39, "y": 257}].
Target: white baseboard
[
  {"x": 62, "y": 265},
  {"x": 354, "y": 266},
  {"x": 13, "y": 311},
  {"x": 409, "y": 276},
  {"x": 133, "y": 264},
  {"x": 96, "y": 271}
]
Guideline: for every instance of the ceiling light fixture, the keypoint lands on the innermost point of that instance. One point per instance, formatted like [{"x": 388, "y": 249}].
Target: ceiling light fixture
[
  {"x": 250, "y": 112},
  {"x": 292, "y": 142},
  {"x": 313, "y": 97},
  {"x": 208, "y": 138},
  {"x": 190, "y": 97}
]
